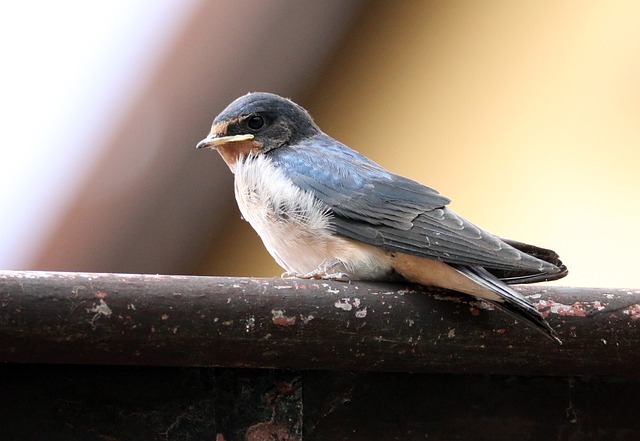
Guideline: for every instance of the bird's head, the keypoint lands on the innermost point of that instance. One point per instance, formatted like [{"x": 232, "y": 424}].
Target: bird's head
[{"x": 255, "y": 124}]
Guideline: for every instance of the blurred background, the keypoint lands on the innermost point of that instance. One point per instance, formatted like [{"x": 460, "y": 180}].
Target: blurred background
[{"x": 526, "y": 114}]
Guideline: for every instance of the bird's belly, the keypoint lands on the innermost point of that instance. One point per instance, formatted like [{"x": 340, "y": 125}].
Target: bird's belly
[{"x": 295, "y": 227}]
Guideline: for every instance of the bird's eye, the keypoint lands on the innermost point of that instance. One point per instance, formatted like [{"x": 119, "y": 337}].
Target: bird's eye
[{"x": 255, "y": 122}]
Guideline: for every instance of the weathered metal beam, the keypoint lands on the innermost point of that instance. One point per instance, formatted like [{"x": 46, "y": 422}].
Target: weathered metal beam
[{"x": 306, "y": 324}]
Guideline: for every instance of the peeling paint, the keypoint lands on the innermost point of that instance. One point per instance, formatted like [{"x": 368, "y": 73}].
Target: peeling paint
[
  {"x": 343, "y": 304},
  {"x": 278, "y": 318},
  {"x": 598, "y": 306},
  {"x": 481, "y": 304},
  {"x": 451, "y": 333},
  {"x": 456, "y": 299},
  {"x": 268, "y": 431},
  {"x": 361, "y": 313},
  {"x": 100, "y": 294},
  {"x": 632, "y": 311},
  {"x": 251, "y": 323},
  {"x": 306, "y": 319},
  {"x": 101, "y": 309},
  {"x": 577, "y": 309}
]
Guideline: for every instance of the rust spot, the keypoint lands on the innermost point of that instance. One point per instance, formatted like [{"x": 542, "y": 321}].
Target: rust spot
[
  {"x": 270, "y": 431},
  {"x": 278, "y": 318},
  {"x": 100, "y": 294},
  {"x": 474, "y": 311},
  {"x": 632, "y": 311},
  {"x": 285, "y": 388},
  {"x": 577, "y": 309}
]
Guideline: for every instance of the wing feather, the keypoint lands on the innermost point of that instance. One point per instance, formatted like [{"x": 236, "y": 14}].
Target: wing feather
[{"x": 374, "y": 206}]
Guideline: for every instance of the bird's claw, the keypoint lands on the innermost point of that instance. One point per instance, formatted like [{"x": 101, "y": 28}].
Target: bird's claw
[{"x": 326, "y": 271}]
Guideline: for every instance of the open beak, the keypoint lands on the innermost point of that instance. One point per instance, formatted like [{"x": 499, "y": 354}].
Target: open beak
[{"x": 215, "y": 141}]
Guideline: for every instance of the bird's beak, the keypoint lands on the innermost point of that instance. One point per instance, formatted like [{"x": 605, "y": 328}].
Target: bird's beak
[{"x": 215, "y": 141}]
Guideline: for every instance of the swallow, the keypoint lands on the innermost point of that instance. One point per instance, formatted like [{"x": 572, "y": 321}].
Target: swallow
[{"x": 325, "y": 211}]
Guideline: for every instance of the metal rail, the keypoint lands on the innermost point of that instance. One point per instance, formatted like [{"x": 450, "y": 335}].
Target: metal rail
[{"x": 118, "y": 319}]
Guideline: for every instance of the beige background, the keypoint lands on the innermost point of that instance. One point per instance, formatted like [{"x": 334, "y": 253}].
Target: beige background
[{"x": 526, "y": 114}]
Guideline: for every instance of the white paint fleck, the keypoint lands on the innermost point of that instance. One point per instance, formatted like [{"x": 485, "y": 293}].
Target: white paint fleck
[
  {"x": 410, "y": 322},
  {"x": 283, "y": 287},
  {"x": 251, "y": 323},
  {"x": 483, "y": 305},
  {"x": 598, "y": 306},
  {"x": 131, "y": 306},
  {"x": 333, "y": 291},
  {"x": 451, "y": 333},
  {"x": 356, "y": 302},
  {"x": 344, "y": 304},
  {"x": 306, "y": 319},
  {"x": 534, "y": 296},
  {"x": 361, "y": 313},
  {"x": 604, "y": 342},
  {"x": 101, "y": 309}
]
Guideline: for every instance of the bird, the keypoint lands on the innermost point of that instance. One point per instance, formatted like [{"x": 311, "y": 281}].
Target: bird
[{"x": 325, "y": 211}]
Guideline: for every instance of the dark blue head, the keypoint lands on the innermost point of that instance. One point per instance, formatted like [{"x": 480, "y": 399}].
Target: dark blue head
[{"x": 267, "y": 120}]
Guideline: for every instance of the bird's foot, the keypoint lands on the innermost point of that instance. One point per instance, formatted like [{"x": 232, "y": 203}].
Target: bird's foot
[{"x": 327, "y": 270}]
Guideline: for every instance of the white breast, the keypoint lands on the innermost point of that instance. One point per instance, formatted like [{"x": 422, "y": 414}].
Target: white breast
[{"x": 296, "y": 227}]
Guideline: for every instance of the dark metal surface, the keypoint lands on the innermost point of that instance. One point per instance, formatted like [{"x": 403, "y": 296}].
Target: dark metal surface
[
  {"x": 122, "y": 403},
  {"x": 240, "y": 322}
]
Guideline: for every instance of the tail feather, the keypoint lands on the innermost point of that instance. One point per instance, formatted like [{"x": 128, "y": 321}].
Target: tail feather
[
  {"x": 555, "y": 272},
  {"x": 513, "y": 302}
]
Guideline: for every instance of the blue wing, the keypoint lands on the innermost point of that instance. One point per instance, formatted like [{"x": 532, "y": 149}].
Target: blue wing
[{"x": 374, "y": 206}]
